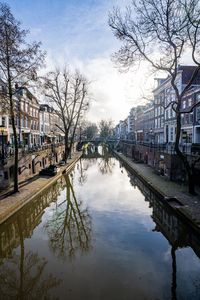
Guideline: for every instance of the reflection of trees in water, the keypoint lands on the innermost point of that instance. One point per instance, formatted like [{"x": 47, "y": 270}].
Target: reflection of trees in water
[
  {"x": 29, "y": 217},
  {"x": 106, "y": 163},
  {"x": 82, "y": 167},
  {"x": 69, "y": 228},
  {"x": 100, "y": 154},
  {"x": 22, "y": 276}
]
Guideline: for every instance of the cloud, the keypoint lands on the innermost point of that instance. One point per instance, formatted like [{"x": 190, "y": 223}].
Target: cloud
[{"x": 80, "y": 36}]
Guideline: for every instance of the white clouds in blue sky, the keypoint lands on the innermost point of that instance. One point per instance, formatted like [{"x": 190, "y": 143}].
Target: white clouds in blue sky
[{"x": 77, "y": 33}]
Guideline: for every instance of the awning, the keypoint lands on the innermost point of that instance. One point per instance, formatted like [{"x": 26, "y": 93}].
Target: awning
[{"x": 25, "y": 131}]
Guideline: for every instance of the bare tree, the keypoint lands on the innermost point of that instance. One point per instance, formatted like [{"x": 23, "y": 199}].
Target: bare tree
[
  {"x": 68, "y": 94},
  {"x": 19, "y": 63},
  {"x": 90, "y": 130},
  {"x": 160, "y": 32},
  {"x": 105, "y": 128}
]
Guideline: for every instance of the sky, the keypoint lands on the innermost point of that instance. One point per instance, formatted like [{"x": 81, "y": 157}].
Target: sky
[{"x": 76, "y": 33}]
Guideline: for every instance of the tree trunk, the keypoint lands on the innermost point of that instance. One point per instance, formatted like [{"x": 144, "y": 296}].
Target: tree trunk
[
  {"x": 66, "y": 154},
  {"x": 174, "y": 280},
  {"x": 16, "y": 183},
  {"x": 189, "y": 170}
]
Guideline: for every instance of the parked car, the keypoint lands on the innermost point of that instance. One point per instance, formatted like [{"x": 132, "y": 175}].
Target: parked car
[
  {"x": 49, "y": 171},
  {"x": 62, "y": 163}
]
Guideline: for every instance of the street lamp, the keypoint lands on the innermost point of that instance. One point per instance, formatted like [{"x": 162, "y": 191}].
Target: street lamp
[
  {"x": 52, "y": 145},
  {"x": 2, "y": 127}
]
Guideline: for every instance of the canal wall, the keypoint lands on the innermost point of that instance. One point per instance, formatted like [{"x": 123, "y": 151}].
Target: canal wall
[
  {"x": 30, "y": 164},
  {"x": 11, "y": 204},
  {"x": 173, "y": 195}
]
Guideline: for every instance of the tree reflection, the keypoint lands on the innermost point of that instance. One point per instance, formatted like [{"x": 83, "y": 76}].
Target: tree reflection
[
  {"x": 22, "y": 276},
  {"x": 82, "y": 168},
  {"x": 69, "y": 229},
  {"x": 174, "y": 283},
  {"x": 106, "y": 163}
]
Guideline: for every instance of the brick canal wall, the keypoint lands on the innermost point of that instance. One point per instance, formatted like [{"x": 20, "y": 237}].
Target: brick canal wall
[
  {"x": 164, "y": 163},
  {"x": 28, "y": 192},
  {"x": 30, "y": 164}
]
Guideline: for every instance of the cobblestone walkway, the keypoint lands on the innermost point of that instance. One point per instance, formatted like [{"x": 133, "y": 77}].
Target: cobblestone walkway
[
  {"x": 12, "y": 203},
  {"x": 191, "y": 208}
]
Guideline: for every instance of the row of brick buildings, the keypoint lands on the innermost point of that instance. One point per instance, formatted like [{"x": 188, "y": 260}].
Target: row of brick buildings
[
  {"x": 155, "y": 124},
  {"x": 148, "y": 133},
  {"x": 36, "y": 124}
]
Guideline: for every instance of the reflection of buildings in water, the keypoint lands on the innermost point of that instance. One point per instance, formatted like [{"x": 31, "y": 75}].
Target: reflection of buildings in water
[
  {"x": 69, "y": 228},
  {"x": 173, "y": 228},
  {"x": 29, "y": 217},
  {"x": 167, "y": 222}
]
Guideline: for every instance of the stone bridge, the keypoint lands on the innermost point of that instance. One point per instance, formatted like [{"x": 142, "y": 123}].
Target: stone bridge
[{"x": 97, "y": 142}]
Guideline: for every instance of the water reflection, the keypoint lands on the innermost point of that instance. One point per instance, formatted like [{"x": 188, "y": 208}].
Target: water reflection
[
  {"x": 29, "y": 217},
  {"x": 106, "y": 162},
  {"x": 82, "y": 169},
  {"x": 21, "y": 277},
  {"x": 178, "y": 234},
  {"x": 69, "y": 228},
  {"x": 96, "y": 211}
]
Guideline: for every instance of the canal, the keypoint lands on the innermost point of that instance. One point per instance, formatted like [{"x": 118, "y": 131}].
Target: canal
[{"x": 98, "y": 233}]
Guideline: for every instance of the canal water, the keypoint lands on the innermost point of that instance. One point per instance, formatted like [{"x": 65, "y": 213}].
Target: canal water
[{"x": 98, "y": 233}]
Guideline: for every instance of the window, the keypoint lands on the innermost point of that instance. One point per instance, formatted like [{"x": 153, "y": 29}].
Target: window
[
  {"x": 198, "y": 113},
  {"x": 186, "y": 118},
  {"x": 162, "y": 122},
  {"x": 158, "y": 122},
  {"x": 171, "y": 134},
  {"x": 171, "y": 113},
  {"x": 182, "y": 120},
  {"x": 184, "y": 104},
  {"x": 191, "y": 117},
  {"x": 4, "y": 121},
  {"x": 190, "y": 102},
  {"x": 198, "y": 97}
]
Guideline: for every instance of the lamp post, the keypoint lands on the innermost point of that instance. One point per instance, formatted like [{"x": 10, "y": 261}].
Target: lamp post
[
  {"x": 52, "y": 146},
  {"x": 152, "y": 137},
  {"x": 2, "y": 137}
]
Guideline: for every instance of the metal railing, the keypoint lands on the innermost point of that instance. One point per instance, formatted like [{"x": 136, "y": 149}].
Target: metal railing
[
  {"x": 10, "y": 150},
  {"x": 187, "y": 148}
]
